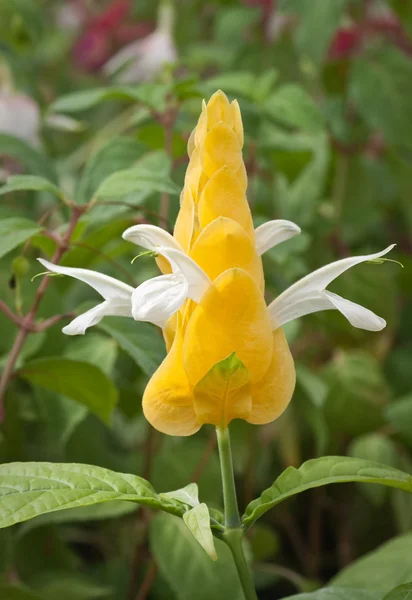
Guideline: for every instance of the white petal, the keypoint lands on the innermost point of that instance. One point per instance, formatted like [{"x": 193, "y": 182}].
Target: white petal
[
  {"x": 357, "y": 315},
  {"x": 157, "y": 299},
  {"x": 129, "y": 52},
  {"x": 272, "y": 233},
  {"x": 20, "y": 117},
  {"x": 197, "y": 280},
  {"x": 108, "y": 287},
  {"x": 321, "y": 278},
  {"x": 150, "y": 237},
  {"x": 108, "y": 308},
  {"x": 304, "y": 305},
  {"x": 308, "y": 295}
]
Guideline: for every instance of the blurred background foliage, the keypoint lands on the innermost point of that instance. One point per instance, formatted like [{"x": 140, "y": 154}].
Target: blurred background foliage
[{"x": 325, "y": 88}]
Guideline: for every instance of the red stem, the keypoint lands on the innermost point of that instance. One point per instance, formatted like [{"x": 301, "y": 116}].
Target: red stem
[{"x": 27, "y": 324}]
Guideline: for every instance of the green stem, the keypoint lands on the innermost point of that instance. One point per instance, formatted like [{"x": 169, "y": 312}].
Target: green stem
[
  {"x": 233, "y": 534},
  {"x": 232, "y": 518},
  {"x": 233, "y": 539}
]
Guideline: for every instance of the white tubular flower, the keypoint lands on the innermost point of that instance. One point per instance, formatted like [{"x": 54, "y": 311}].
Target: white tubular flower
[
  {"x": 143, "y": 59},
  {"x": 183, "y": 267},
  {"x": 20, "y": 117},
  {"x": 309, "y": 295},
  {"x": 150, "y": 237},
  {"x": 117, "y": 297},
  {"x": 157, "y": 299},
  {"x": 272, "y": 233}
]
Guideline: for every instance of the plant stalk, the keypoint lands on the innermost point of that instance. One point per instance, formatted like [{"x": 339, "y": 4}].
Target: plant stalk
[
  {"x": 233, "y": 539},
  {"x": 233, "y": 534},
  {"x": 27, "y": 323},
  {"x": 232, "y": 518}
]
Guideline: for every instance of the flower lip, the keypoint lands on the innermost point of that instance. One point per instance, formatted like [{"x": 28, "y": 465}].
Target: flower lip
[
  {"x": 157, "y": 299},
  {"x": 197, "y": 280},
  {"x": 309, "y": 295},
  {"x": 272, "y": 233},
  {"x": 150, "y": 237},
  {"x": 108, "y": 287},
  {"x": 117, "y": 297}
]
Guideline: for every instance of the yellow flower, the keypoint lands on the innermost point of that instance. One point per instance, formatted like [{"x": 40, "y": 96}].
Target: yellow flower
[
  {"x": 227, "y": 354},
  {"x": 224, "y": 360}
]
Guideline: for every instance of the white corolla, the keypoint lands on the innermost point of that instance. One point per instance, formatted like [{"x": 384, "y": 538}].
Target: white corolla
[{"x": 157, "y": 299}]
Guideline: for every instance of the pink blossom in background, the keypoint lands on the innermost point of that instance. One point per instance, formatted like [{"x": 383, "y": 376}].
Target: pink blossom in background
[
  {"x": 268, "y": 8},
  {"x": 143, "y": 59},
  {"x": 104, "y": 33},
  {"x": 380, "y": 20},
  {"x": 347, "y": 41}
]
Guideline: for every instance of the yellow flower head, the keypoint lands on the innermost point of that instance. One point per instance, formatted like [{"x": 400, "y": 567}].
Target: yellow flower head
[
  {"x": 224, "y": 360},
  {"x": 227, "y": 354}
]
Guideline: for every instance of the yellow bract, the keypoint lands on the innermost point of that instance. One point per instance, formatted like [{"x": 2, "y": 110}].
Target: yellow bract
[
  {"x": 231, "y": 317},
  {"x": 224, "y": 196},
  {"x": 224, "y": 244},
  {"x": 168, "y": 399},
  {"x": 224, "y": 361}
]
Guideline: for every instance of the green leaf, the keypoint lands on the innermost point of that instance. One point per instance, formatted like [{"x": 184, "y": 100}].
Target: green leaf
[
  {"x": 185, "y": 566},
  {"x": 292, "y": 106},
  {"x": 404, "y": 11},
  {"x": 16, "y": 231},
  {"x": 135, "y": 179},
  {"x": 381, "y": 87},
  {"x": 80, "y": 381},
  {"x": 318, "y": 21},
  {"x": 382, "y": 569},
  {"x": 336, "y": 593},
  {"x": 152, "y": 94},
  {"x": 57, "y": 419},
  {"x": 300, "y": 198},
  {"x": 198, "y": 521},
  {"x": 399, "y": 414},
  {"x": 189, "y": 494},
  {"x": 82, "y": 514},
  {"x": 141, "y": 341},
  {"x": 30, "y": 489},
  {"x": 32, "y": 160},
  {"x": 324, "y": 471},
  {"x": 177, "y": 459},
  {"x": 117, "y": 154},
  {"x": 62, "y": 585},
  {"x": 93, "y": 348},
  {"x": 307, "y": 190},
  {"x": 310, "y": 395},
  {"x": 232, "y": 19},
  {"x": 357, "y": 393},
  {"x": 29, "y": 182},
  {"x": 12, "y": 592},
  {"x": 239, "y": 83},
  {"x": 378, "y": 448},
  {"x": 402, "y": 592},
  {"x": 108, "y": 234}
]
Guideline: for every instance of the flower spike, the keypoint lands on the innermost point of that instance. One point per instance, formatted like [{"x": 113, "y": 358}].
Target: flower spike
[{"x": 224, "y": 362}]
